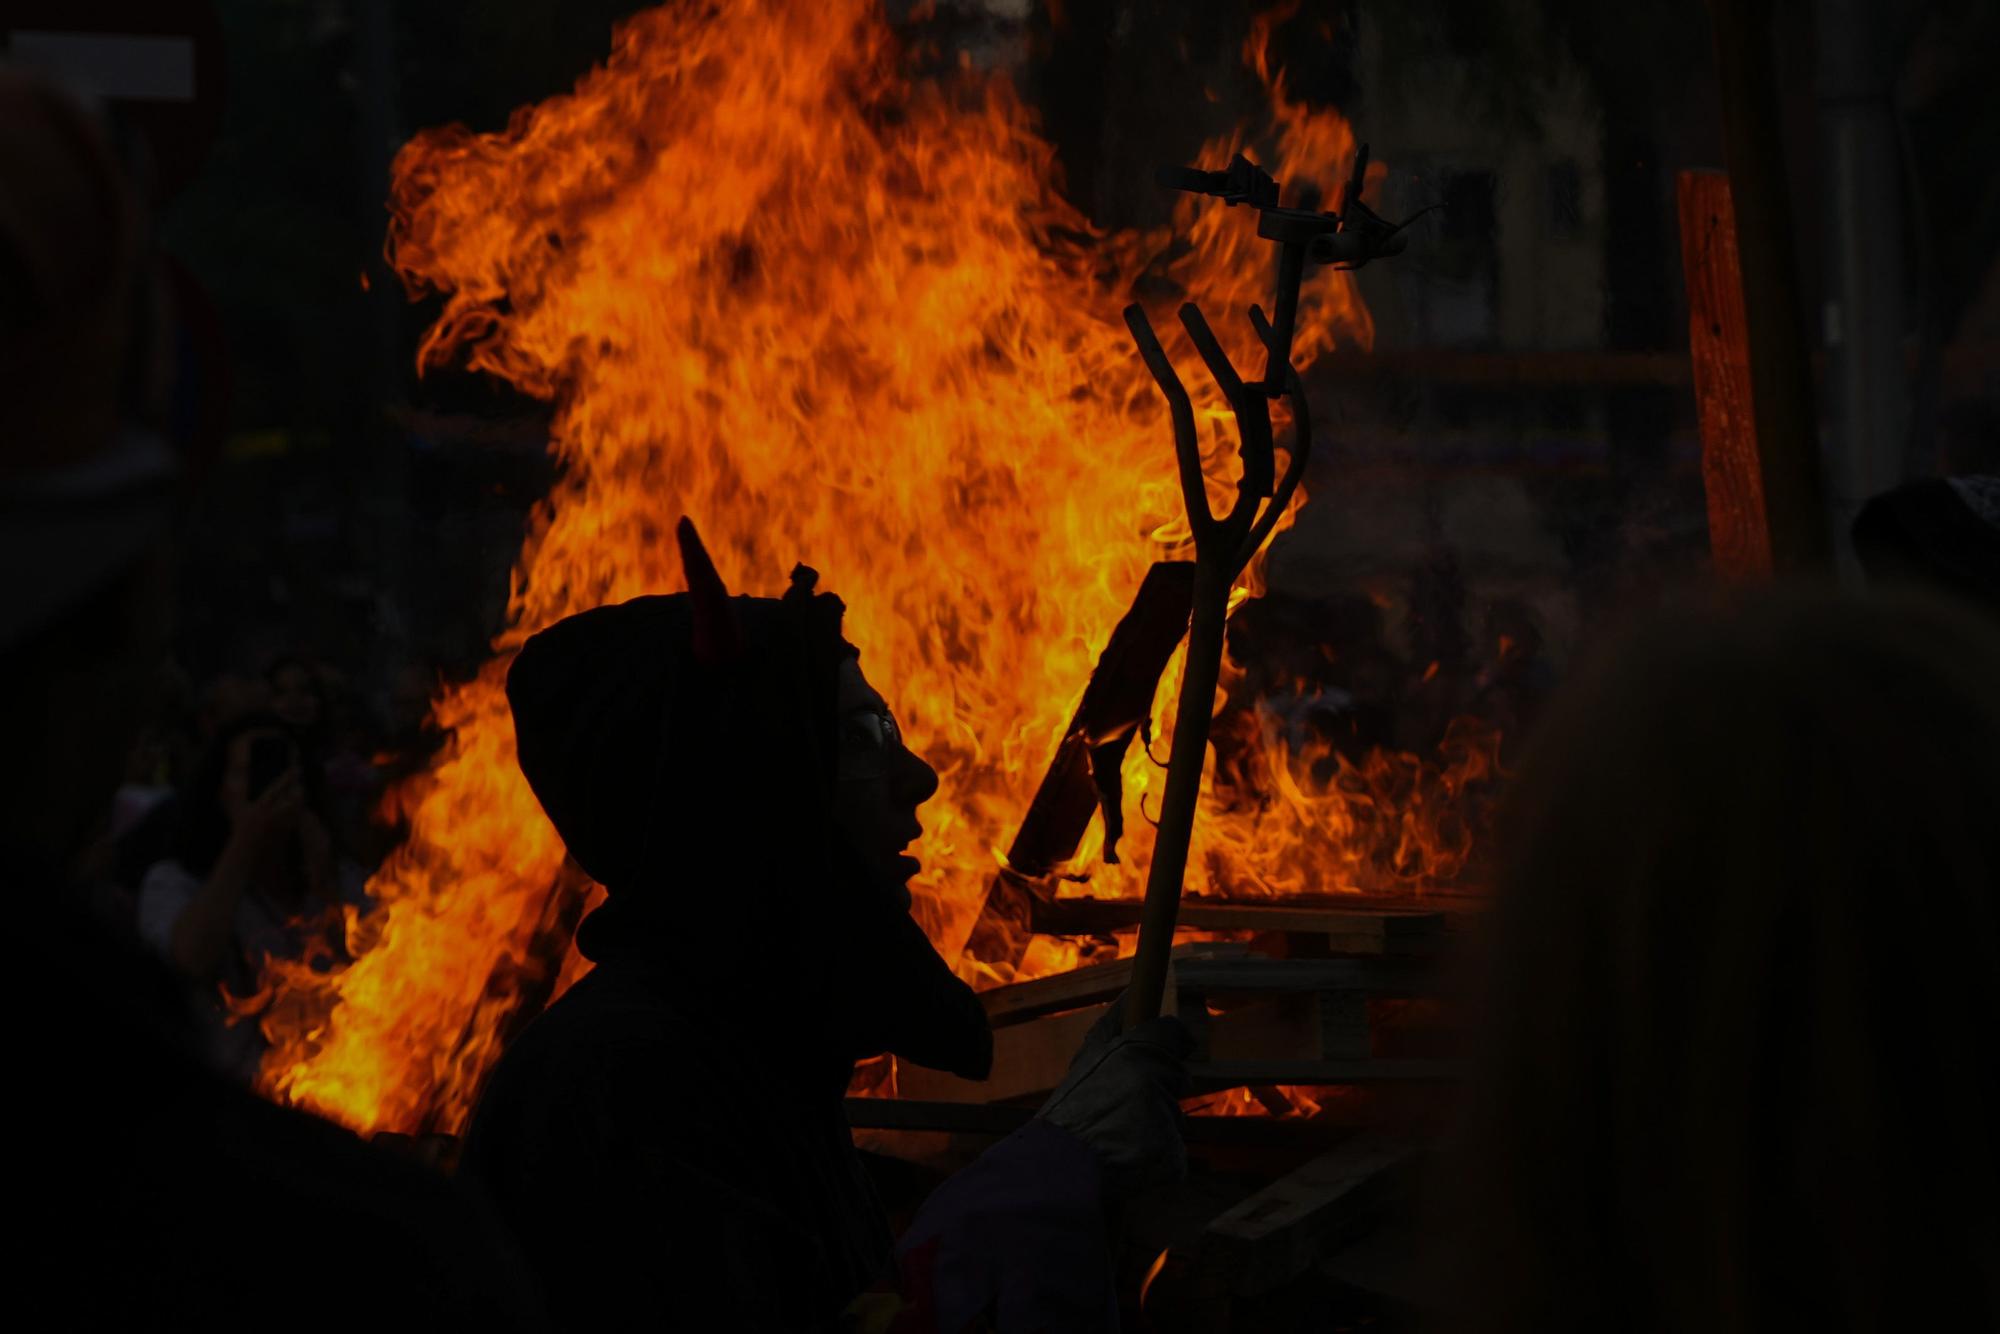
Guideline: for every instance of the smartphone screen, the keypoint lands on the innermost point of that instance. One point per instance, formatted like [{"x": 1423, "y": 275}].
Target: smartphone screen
[{"x": 270, "y": 756}]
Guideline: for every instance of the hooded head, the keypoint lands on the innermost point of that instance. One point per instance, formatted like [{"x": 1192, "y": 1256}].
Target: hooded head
[
  {"x": 721, "y": 767},
  {"x": 685, "y": 746}
]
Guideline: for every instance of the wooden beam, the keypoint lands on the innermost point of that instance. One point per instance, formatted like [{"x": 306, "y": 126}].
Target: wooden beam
[
  {"x": 1280, "y": 1232},
  {"x": 1780, "y": 354},
  {"x": 1202, "y": 978},
  {"x": 1739, "y": 536},
  {"x": 1021, "y": 1001},
  {"x": 1369, "y": 924},
  {"x": 1254, "y": 1020},
  {"x": 997, "y": 1119},
  {"x": 1280, "y": 1028}
]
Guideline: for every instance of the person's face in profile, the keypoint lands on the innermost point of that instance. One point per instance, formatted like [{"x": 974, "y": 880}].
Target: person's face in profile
[{"x": 881, "y": 784}]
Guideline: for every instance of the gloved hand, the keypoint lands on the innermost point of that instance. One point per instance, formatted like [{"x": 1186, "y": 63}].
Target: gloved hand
[{"x": 1122, "y": 1098}]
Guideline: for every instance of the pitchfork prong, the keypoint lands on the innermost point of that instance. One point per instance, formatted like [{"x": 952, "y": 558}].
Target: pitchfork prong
[
  {"x": 1187, "y": 447},
  {"x": 1211, "y": 351},
  {"x": 1253, "y": 415}
]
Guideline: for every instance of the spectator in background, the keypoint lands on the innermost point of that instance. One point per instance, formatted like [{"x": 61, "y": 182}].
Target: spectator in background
[
  {"x": 297, "y": 694},
  {"x": 301, "y": 694},
  {"x": 162, "y": 1196},
  {"x": 1737, "y": 1068},
  {"x": 223, "y": 700},
  {"x": 145, "y": 808},
  {"x": 253, "y": 872}
]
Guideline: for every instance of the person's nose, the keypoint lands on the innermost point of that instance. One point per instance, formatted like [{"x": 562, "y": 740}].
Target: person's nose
[{"x": 916, "y": 781}]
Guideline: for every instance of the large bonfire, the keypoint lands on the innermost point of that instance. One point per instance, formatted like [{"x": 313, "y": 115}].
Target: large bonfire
[{"x": 839, "y": 314}]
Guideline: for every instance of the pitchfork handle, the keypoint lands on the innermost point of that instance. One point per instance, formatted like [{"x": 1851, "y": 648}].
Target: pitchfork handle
[{"x": 1201, "y": 671}]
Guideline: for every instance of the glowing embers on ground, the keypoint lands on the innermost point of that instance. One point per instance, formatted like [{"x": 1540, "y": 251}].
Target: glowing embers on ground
[{"x": 842, "y": 315}]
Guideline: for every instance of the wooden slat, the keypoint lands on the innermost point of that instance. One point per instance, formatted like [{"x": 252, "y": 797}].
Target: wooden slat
[
  {"x": 1255, "y": 1021},
  {"x": 1284, "y": 1229},
  {"x": 1352, "y": 923},
  {"x": 1719, "y": 343},
  {"x": 997, "y": 1119},
  {"x": 1373, "y": 977},
  {"x": 1021, "y": 1001},
  {"x": 1286, "y": 1026}
]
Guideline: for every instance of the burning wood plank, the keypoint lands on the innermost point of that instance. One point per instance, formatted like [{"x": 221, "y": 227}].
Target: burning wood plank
[{"x": 1084, "y": 774}]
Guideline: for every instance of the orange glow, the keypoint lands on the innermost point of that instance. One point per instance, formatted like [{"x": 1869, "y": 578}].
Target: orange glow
[
  {"x": 842, "y": 315},
  {"x": 1152, "y": 1272},
  {"x": 1286, "y": 1102}
]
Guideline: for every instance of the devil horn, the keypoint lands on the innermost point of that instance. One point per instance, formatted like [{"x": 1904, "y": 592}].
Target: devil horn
[{"x": 718, "y": 639}]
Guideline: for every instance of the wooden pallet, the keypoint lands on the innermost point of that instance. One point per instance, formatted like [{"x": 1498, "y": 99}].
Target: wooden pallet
[{"x": 1255, "y": 1020}]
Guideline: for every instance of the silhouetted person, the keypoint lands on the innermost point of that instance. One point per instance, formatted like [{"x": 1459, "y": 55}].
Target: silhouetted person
[
  {"x": 1737, "y": 1069},
  {"x": 673, "y": 1126},
  {"x": 252, "y": 873},
  {"x": 670, "y": 1134},
  {"x": 153, "y": 1193}
]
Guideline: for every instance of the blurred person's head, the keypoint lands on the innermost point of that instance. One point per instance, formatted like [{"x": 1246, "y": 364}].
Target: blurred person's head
[
  {"x": 1737, "y": 1068},
  {"x": 226, "y": 698},
  {"x": 86, "y": 491},
  {"x": 297, "y": 694}
]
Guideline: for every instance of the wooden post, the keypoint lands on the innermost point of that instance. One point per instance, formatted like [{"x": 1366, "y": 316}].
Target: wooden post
[
  {"x": 1719, "y": 346},
  {"x": 1780, "y": 359}
]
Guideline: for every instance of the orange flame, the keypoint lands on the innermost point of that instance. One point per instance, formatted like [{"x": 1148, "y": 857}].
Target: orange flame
[{"x": 837, "y": 314}]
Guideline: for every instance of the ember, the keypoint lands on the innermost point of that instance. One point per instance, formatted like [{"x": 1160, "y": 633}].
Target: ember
[{"x": 754, "y": 264}]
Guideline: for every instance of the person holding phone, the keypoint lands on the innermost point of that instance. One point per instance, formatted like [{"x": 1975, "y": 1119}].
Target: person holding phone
[{"x": 253, "y": 871}]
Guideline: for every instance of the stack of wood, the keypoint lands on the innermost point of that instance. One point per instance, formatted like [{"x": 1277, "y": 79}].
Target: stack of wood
[{"x": 1300, "y": 1002}]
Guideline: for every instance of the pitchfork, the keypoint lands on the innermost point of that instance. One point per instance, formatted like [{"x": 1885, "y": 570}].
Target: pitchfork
[{"x": 1224, "y": 546}]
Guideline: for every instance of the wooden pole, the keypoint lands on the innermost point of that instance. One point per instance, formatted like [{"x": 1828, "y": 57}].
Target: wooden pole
[
  {"x": 1223, "y": 547},
  {"x": 1739, "y": 535},
  {"x": 1780, "y": 359},
  {"x": 1201, "y": 672}
]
